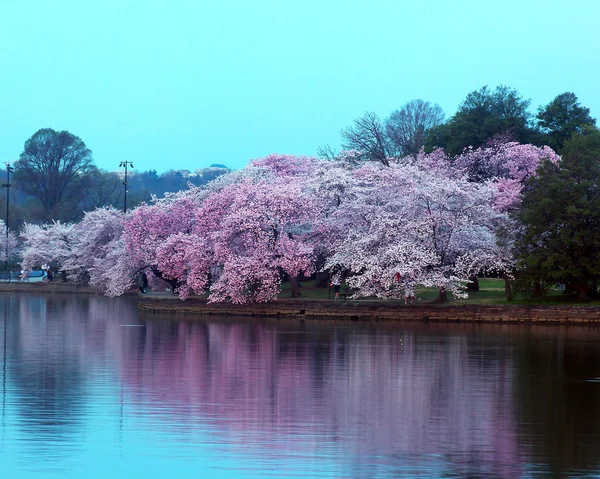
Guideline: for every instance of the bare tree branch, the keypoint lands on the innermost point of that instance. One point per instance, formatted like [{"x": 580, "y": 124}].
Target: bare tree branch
[
  {"x": 407, "y": 127},
  {"x": 326, "y": 152},
  {"x": 367, "y": 135}
]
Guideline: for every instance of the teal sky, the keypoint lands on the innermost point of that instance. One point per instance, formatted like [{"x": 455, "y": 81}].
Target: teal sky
[{"x": 181, "y": 84}]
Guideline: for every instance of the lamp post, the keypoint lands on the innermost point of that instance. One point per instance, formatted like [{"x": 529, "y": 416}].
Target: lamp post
[
  {"x": 4, "y": 365},
  {"x": 9, "y": 170},
  {"x": 125, "y": 164}
]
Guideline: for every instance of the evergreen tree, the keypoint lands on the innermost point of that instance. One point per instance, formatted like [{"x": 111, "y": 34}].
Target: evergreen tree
[
  {"x": 483, "y": 115},
  {"x": 560, "y": 241},
  {"x": 563, "y": 117}
]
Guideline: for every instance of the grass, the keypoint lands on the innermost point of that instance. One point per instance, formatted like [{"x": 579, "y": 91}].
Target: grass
[{"x": 491, "y": 291}]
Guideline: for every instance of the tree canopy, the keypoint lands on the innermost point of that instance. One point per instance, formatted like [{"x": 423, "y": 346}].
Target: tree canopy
[
  {"x": 484, "y": 114},
  {"x": 55, "y": 169},
  {"x": 560, "y": 241},
  {"x": 402, "y": 133},
  {"x": 563, "y": 117},
  {"x": 427, "y": 218},
  {"x": 407, "y": 127}
]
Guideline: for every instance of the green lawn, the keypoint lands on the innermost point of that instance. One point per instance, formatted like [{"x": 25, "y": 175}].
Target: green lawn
[{"x": 491, "y": 291}]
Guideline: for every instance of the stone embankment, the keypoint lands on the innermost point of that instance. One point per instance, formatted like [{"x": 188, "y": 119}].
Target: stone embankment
[
  {"x": 375, "y": 311},
  {"x": 313, "y": 309}
]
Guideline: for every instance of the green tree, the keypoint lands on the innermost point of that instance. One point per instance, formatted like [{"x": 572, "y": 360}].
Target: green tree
[
  {"x": 105, "y": 189},
  {"x": 483, "y": 114},
  {"x": 55, "y": 168},
  {"x": 560, "y": 241},
  {"x": 563, "y": 117}
]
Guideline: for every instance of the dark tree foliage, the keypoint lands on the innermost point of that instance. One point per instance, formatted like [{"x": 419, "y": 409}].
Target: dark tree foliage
[
  {"x": 483, "y": 115},
  {"x": 143, "y": 185},
  {"x": 563, "y": 117},
  {"x": 106, "y": 189},
  {"x": 560, "y": 242},
  {"x": 367, "y": 135},
  {"x": 54, "y": 168},
  {"x": 407, "y": 127}
]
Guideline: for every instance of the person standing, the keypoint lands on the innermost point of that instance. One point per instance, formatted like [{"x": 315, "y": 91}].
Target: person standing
[
  {"x": 409, "y": 290},
  {"x": 144, "y": 285},
  {"x": 336, "y": 282}
]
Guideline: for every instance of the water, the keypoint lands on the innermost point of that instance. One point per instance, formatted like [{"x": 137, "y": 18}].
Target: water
[{"x": 92, "y": 389}]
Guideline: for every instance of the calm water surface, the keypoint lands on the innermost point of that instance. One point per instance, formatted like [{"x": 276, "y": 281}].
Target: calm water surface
[{"x": 92, "y": 389}]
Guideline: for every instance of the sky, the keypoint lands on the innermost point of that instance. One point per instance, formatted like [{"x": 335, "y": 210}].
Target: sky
[{"x": 182, "y": 84}]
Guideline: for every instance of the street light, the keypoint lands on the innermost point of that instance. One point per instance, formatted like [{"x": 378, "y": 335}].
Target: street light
[
  {"x": 125, "y": 164},
  {"x": 9, "y": 170}
]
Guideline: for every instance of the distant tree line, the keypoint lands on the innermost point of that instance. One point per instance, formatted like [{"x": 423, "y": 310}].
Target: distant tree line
[
  {"x": 55, "y": 179},
  {"x": 484, "y": 114}
]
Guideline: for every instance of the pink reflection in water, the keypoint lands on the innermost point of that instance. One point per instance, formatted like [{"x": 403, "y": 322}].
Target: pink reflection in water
[{"x": 393, "y": 395}]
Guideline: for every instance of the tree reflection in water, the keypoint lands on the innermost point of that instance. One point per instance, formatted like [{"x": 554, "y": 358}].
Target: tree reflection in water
[
  {"x": 50, "y": 346},
  {"x": 386, "y": 393},
  {"x": 376, "y": 400}
]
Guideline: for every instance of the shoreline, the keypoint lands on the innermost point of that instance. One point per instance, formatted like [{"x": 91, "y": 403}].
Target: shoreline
[
  {"x": 300, "y": 309},
  {"x": 372, "y": 311},
  {"x": 44, "y": 287}
]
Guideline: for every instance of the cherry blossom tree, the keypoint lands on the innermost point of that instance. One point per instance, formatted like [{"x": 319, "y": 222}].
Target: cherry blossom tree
[
  {"x": 117, "y": 272},
  {"x": 150, "y": 227},
  {"x": 252, "y": 231},
  {"x": 427, "y": 219},
  {"x": 424, "y": 220},
  {"x": 45, "y": 244},
  {"x": 93, "y": 240},
  {"x": 506, "y": 165},
  {"x": 85, "y": 251},
  {"x": 248, "y": 227},
  {"x": 431, "y": 228},
  {"x": 267, "y": 228},
  {"x": 286, "y": 165}
]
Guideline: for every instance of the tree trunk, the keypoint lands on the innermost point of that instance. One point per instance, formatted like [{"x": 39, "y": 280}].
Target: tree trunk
[
  {"x": 295, "y": 287},
  {"x": 594, "y": 288},
  {"x": 442, "y": 296},
  {"x": 473, "y": 284},
  {"x": 581, "y": 290},
  {"x": 321, "y": 280},
  {"x": 537, "y": 289},
  {"x": 173, "y": 282},
  {"x": 507, "y": 288}
]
